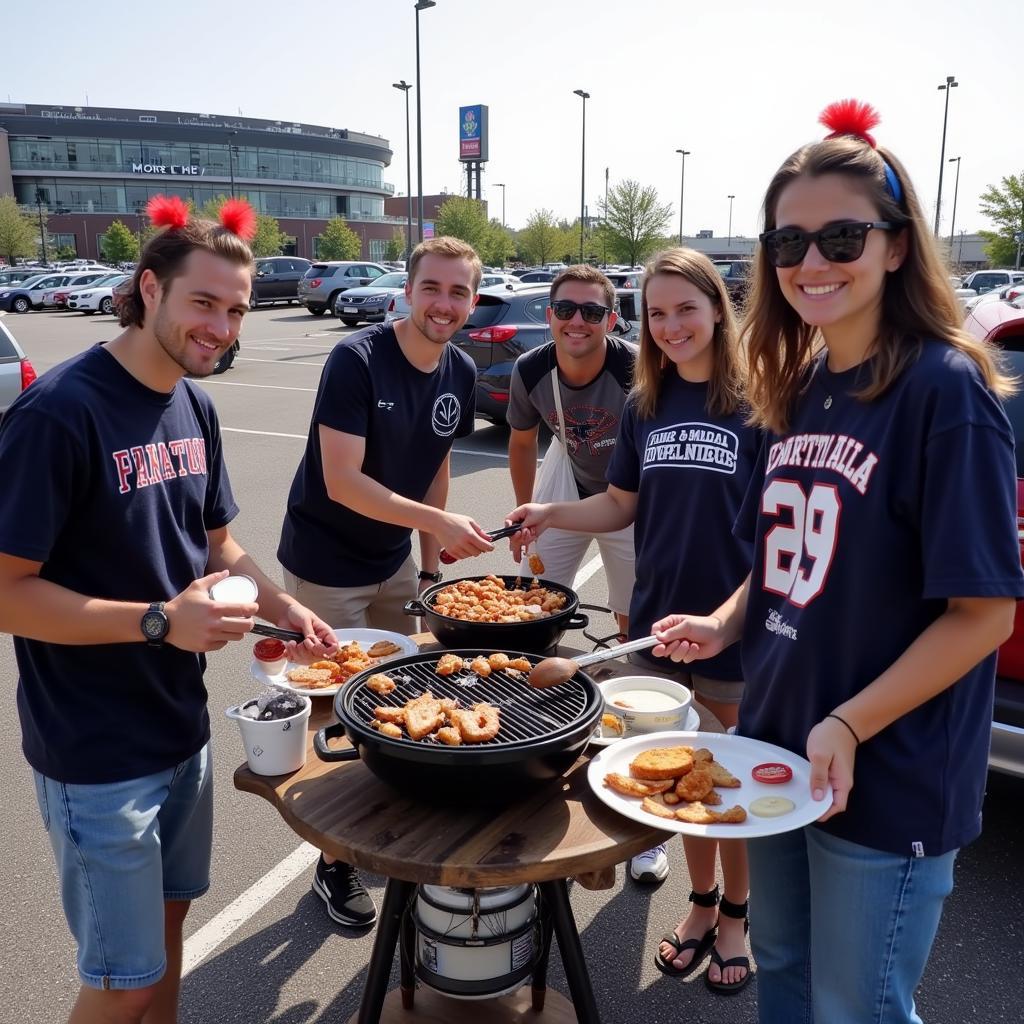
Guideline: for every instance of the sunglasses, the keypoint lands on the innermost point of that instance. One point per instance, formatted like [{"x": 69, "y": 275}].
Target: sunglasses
[
  {"x": 592, "y": 312},
  {"x": 837, "y": 243}
]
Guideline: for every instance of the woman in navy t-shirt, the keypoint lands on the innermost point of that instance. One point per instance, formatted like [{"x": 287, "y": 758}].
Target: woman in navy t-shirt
[
  {"x": 683, "y": 459},
  {"x": 885, "y": 570}
]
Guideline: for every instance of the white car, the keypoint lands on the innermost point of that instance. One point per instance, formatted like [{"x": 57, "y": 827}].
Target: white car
[
  {"x": 96, "y": 298},
  {"x": 51, "y": 296}
]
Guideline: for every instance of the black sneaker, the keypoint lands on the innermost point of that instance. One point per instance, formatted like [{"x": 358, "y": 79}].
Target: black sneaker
[{"x": 347, "y": 900}]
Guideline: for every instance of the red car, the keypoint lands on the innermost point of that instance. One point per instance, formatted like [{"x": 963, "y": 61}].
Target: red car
[{"x": 1003, "y": 324}]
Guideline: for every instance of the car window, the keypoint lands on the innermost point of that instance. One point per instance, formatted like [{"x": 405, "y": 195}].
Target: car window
[
  {"x": 317, "y": 270},
  {"x": 373, "y": 273},
  {"x": 535, "y": 309},
  {"x": 390, "y": 281},
  {"x": 1014, "y": 406},
  {"x": 488, "y": 310}
]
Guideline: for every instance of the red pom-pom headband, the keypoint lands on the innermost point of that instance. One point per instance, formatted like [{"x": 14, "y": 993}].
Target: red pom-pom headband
[
  {"x": 853, "y": 117},
  {"x": 236, "y": 215}
]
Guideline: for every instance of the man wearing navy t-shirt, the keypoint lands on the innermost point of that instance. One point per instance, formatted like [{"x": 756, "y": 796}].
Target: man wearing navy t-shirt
[
  {"x": 107, "y": 557},
  {"x": 391, "y": 402}
]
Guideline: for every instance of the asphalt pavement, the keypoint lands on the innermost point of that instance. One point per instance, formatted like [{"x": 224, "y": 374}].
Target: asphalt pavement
[{"x": 259, "y": 946}]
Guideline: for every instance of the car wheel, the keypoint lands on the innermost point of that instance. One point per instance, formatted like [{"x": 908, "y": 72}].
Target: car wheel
[
  {"x": 21, "y": 305},
  {"x": 350, "y": 322},
  {"x": 252, "y": 300},
  {"x": 332, "y": 302},
  {"x": 106, "y": 306},
  {"x": 226, "y": 360},
  {"x": 317, "y": 310}
]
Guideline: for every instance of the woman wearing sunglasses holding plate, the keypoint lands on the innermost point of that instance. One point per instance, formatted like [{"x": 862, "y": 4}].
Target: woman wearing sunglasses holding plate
[{"x": 885, "y": 570}]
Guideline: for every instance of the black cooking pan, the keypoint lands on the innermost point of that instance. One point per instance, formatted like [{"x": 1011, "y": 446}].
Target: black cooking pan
[
  {"x": 541, "y": 735},
  {"x": 536, "y": 636}
]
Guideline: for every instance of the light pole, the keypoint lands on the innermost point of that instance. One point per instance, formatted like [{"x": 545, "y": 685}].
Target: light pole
[
  {"x": 138, "y": 221},
  {"x": 731, "y": 198},
  {"x": 951, "y": 83},
  {"x": 231, "y": 161},
  {"x": 684, "y": 153},
  {"x": 421, "y": 5},
  {"x": 583, "y": 165},
  {"x": 956, "y": 188},
  {"x": 405, "y": 87},
  {"x": 501, "y": 185},
  {"x": 42, "y": 230}
]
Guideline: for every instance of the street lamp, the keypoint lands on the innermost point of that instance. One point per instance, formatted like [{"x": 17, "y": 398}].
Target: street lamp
[
  {"x": 138, "y": 221},
  {"x": 42, "y": 230},
  {"x": 405, "y": 87},
  {"x": 421, "y": 5},
  {"x": 956, "y": 188},
  {"x": 951, "y": 83},
  {"x": 501, "y": 185},
  {"x": 231, "y": 160},
  {"x": 731, "y": 198},
  {"x": 583, "y": 165},
  {"x": 684, "y": 153}
]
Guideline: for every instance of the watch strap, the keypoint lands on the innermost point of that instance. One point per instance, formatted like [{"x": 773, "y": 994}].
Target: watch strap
[{"x": 433, "y": 577}]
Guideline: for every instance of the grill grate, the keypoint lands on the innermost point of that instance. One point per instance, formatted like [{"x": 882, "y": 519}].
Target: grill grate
[{"x": 526, "y": 713}]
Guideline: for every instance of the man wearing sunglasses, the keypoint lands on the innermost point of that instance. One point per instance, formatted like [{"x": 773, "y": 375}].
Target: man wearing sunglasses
[{"x": 576, "y": 385}]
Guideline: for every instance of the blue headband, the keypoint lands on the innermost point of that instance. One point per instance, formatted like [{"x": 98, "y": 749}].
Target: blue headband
[{"x": 893, "y": 182}]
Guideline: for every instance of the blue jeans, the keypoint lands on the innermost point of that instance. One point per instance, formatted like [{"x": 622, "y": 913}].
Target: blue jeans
[{"x": 841, "y": 932}]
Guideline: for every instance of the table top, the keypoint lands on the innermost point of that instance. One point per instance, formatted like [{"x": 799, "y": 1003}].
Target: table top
[{"x": 556, "y": 831}]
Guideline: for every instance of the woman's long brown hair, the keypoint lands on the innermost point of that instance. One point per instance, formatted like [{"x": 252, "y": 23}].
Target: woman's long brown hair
[{"x": 918, "y": 302}]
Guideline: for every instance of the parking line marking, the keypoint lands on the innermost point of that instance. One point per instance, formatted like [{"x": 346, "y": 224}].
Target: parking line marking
[
  {"x": 587, "y": 571},
  {"x": 276, "y": 362},
  {"x": 265, "y": 387},
  {"x": 261, "y": 433},
  {"x": 221, "y": 926}
]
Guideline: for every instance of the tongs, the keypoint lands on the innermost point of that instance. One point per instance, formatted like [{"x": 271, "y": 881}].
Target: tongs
[
  {"x": 505, "y": 531},
  {"x": 278, "y": 633}
]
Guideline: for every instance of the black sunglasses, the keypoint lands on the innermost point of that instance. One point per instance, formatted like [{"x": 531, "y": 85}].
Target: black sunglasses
[
  {"x": 838, "y": 243},
  {"x": 592, "y": 312}
]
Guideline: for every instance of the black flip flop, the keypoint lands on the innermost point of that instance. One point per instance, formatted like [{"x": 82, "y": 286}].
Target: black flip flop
[
  {"x": 700, "y": 947},
  {"x": 738, "y": 911}
]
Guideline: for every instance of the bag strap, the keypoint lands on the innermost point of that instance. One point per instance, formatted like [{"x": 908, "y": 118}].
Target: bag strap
[{"x": 556, "y": 387}]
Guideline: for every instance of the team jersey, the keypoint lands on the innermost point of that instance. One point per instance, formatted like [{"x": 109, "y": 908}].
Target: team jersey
[
  {"x": 867, "y": 517},
  {"x": 592, "y": 410},
  {"x": 113, "y": 489},
  {"x": 690, "y": 470},
  {"x": 409, "y": 419}
]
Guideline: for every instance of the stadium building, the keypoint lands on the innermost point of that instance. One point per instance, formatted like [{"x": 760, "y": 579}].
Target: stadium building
[{"x": 85, "y": 167}]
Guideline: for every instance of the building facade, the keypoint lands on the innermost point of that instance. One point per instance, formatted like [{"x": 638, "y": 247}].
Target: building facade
[{"x": 86, "y": 167}]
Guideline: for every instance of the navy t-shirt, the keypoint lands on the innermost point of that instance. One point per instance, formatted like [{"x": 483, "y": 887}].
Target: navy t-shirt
[
  {"x": 409, "y": 420},
  {"x": 690, "y": 470},
  {"x": 113, "y": 487},
  {"x": 867, "y": 517}
]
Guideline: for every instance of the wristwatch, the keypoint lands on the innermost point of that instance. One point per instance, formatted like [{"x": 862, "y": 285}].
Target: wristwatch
[
  {"x": 155, "y": 624},
  {"x": 433, "y": 577}
]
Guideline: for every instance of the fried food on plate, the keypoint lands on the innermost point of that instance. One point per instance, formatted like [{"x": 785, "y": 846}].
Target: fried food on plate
[
  {"x": 311, "y": 678},
  {"x": 722, "y": 776},
  {"x": 634, "y": 787},
  {"x": 449, "y": 664},
  {"x": 652, "y": 806},
  {"x": 477, "y": 725},
  {"x": 380, "y": 683},
  {"x": 611, "y": 722},
  {"x": 662, "y": 763},
  {"x": 713, "y": 799},
  {"x": 695, "y": 785},
  {"x": 670, "y": 797},
  {"x": 330, "y": 666},
  {"x": 699, "y": 814},
  {"x": 703, "y": 754},
  {"x": 383, "y": 649}
]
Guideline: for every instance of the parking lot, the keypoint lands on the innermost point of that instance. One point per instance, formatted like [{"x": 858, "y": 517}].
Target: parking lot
[{"x": 259, "y": 946}]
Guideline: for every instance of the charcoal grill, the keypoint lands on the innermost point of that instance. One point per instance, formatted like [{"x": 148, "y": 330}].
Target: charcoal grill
[{"x": 542, "y": 731}]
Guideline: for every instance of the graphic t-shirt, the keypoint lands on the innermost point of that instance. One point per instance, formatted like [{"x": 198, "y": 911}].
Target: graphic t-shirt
[
  {"x": 866, "y": 518},
  {"x": 113, "y": 487},
  {"x": 410, "y": 420},
  {"x": 592, "y": 411},
  {"x": 690, "y": 470}
]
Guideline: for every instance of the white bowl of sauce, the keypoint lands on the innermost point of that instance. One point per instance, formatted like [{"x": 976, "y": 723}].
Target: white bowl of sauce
[{"x": 646, "y": 703}]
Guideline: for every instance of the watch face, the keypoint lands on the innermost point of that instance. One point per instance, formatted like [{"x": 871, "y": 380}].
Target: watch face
[{"x": 154, "y": 625}]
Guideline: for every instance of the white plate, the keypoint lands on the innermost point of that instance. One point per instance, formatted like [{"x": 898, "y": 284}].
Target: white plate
[
  {"x": 737, "y": 753},
  {"x": 366, "y": 637},
  {"x": 599, "y": 739}
]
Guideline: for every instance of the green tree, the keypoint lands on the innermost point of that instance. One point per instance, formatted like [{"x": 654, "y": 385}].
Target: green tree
[
  {"x": 339, "y": 241},
  {"x": 540, "y": 240},
  {"x": 463, "y": 218},
  {"x": 269, "y": 239},
  {"x": 120, "y": 244},
  {"x": 19, "y": 232},
  {"x": 395, "y": 249},
  {"x": 65, "y": 252},
  {"x": 634, "y": 222},
  {"x": 1004, "y": 205},
  {"x": 498, "y": 246}
]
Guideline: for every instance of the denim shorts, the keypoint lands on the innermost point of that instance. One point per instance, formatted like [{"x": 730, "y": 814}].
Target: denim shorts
[{"x": 122, "y": 848}]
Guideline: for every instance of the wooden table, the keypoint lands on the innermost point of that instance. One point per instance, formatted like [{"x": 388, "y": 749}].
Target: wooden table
[{"x": 553, "y": 833}]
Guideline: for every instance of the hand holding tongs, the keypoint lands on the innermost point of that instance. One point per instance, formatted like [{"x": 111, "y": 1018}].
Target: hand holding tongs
[{"x": 493, "y": 535}]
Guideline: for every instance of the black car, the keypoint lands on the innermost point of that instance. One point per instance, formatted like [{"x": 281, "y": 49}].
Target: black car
[
  {"x": 736, "y": 275},
  {"x": 502, "y": 327},
  {"x": 276, "y": 279},
  {"x": 538, "y": 276}
]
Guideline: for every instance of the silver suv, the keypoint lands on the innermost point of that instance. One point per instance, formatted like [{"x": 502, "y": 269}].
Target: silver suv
[
  {"x": 16, "y": 372},
  {"x": 324, "y": 282}
]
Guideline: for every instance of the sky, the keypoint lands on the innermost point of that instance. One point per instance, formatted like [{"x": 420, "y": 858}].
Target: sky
[{"x": 739, "y": 84}]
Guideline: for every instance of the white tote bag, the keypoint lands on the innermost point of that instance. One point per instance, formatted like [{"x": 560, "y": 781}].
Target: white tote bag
[{"x": 555, "y": 480}]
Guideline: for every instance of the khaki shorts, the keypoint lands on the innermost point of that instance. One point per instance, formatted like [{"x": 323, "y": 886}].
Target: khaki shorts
[
  {"x": 375, "y": 606},
  {"x": 718, "y": 690}
]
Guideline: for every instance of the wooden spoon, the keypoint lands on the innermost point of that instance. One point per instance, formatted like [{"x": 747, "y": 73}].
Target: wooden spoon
[{"x": 553, "y": 671}]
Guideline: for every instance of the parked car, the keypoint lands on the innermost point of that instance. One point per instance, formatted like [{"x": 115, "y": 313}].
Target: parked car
[
  {"x": 497, "y": 279},
  {"x": 276, "y": 279},
  {"x": 98, "y": 297},
  {"x": 988, "y": 280},
  {"x": 324, "y": 282},
  {"x": 1002, "y": 323},
  {"x": 16, "y": 372},
  {"x": 20, "y": 298},
  {"x": 369, "y": 304},
  {"x": 1002, "y": 293},
  {"x": 736, "y": 275},
  {"x": 55, "y": 297},
  {"x": 538, "y": 277},
  {"x": 11, "y": 276}
]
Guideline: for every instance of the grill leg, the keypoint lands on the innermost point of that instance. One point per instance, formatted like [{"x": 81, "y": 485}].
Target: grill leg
[
  {"x": 407, "y": 958},
  {"x": 396, "y": 897},
  {"x": 540, "y": 971},
  {"x": 556, "y": 898}
]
